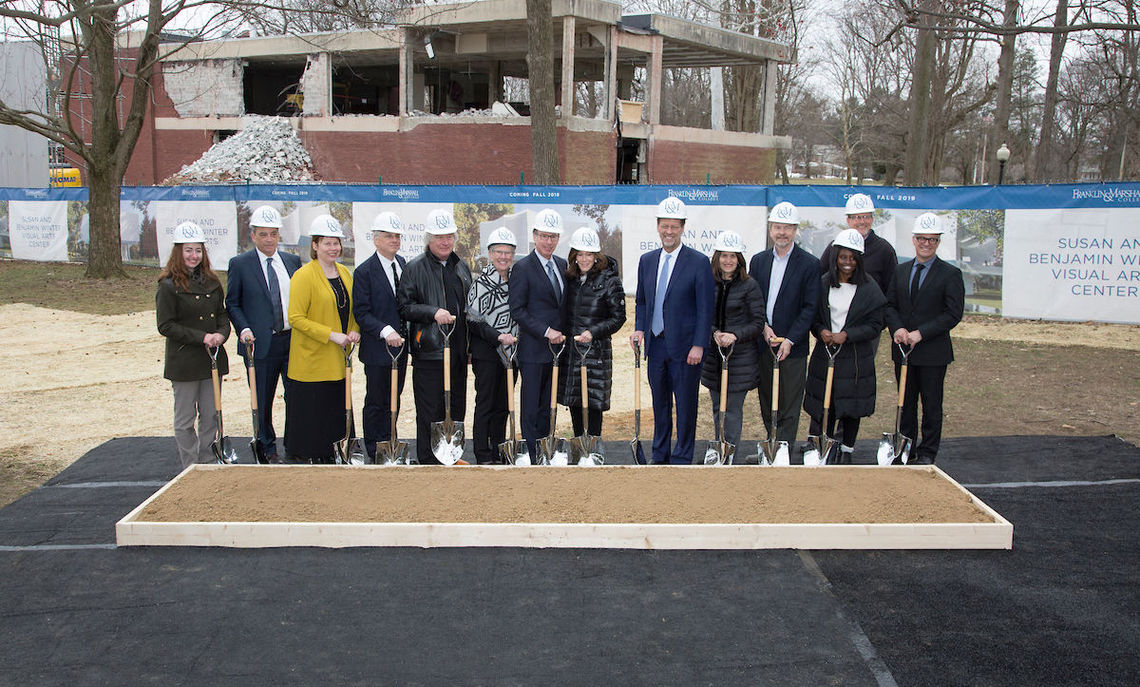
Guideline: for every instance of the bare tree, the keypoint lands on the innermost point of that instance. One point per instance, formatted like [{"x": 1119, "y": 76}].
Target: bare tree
[{"x": 540, "y": 70}]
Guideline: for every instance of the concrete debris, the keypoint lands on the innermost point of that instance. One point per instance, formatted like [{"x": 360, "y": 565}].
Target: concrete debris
[
  {"x": 266, "y": 151},
  {"x": 497, "y": 109}
]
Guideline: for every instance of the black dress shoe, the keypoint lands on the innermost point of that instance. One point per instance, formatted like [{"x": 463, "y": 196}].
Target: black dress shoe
[
  {"x": 923, "y": 460},
  {"x": 274, "y": 459}
]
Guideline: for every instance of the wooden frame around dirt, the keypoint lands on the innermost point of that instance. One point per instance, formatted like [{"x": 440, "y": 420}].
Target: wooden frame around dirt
[{"x": 998, "y": 534}]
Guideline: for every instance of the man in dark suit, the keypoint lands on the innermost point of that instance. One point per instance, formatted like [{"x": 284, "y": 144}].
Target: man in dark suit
[
  {"x": 257, "y": 301},
  {"x": 377, "y": 313},
  {"x": 789, "y": 278},
  {"x": 924, "y": 303},
  {"x": 538, "y": 283},
  {"x": 673, "y": 315}
]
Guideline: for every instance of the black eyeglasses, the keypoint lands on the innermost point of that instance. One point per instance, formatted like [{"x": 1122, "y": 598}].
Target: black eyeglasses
[{"x": 928, "y": 239}]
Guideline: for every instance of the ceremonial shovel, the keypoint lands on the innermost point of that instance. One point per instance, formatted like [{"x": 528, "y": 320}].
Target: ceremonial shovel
[
  {"x": 512, "y": 451},
  {"x": 393, "y": 451},
  {"x": 894, "y": 446},
  {"x": 635, "y": 442},
  {"x": 349, "y": 450},
  {"x": 223, "y": 451},
  {"x": 254, "y": 445},
  {"x": 721, "y": 452},
  {"x": 821, "y": 445},
  {"x": 447, "y": 436},
  {"x": 585, "y": 449},
  {"x": 552, "y": 449},
  {"x": 773, "y": 451}
]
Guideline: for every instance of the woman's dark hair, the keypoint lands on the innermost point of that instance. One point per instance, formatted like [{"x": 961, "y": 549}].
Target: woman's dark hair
[
  {"x": 601, "y": 261},
  {"x": 739, "y": 274},
  {"x": 176, "y": 270},
  {"x": 860, "y": 275},
  {"x": 315, "y": 241}
]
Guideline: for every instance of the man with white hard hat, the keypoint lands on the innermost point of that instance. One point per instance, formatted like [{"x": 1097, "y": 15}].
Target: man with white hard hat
[
  {"x": 879, "y": 257},
  {"x": 433, "y": 294},
  {"x": 537, "y": 303},
  {"x": 789, "y": 279},
  {"x": 257, "y": 301},
  {"x": 492, "y": 328},
  {"x": 377, "y": 314},
  {"x": 924, "y": 303},
  {"x": 673, "y": 316}
]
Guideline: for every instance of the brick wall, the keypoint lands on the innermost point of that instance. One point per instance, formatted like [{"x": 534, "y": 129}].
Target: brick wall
[
  {"x": 674, "y": 162},
  {"x": 587, "y": 157}
]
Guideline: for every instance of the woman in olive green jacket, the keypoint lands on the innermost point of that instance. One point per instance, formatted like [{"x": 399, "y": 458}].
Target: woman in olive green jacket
[
  {"x": 191, "y": 312},
  {"x": 320, "y": 314}
]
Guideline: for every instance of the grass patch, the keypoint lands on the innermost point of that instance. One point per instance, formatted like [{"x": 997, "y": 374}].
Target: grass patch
[{"x": 62, "y": 286}]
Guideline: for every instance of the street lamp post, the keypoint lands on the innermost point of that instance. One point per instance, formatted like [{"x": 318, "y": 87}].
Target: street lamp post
[{"x": 1002, "y": 155}]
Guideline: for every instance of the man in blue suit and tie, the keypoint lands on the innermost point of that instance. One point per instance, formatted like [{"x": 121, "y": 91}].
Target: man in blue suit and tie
[
  {"x": 673, "y": 316},
  {"x": 538, "y": 283},
  {"x": 789, "y": 278},
  {"x": 257, "y": 301},
  {"x": 377, "y": 313}
]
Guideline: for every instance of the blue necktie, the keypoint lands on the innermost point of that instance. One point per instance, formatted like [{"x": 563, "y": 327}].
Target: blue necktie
[
  {"x": 274, "y": 296},
  {"x": 658, "y": 324},
  {"x": 554, "y": 280}
]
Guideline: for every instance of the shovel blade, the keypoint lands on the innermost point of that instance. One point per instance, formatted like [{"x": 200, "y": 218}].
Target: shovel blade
[
  {"x": 584, "y": 448},
  {"x": 774, "y": 453},
  {"x": 552, "y": 451},
  {"x": 514, "y": 452},
  {"x": 637, "y": 451},
  {"x": 447, "y": 442},
  {"x": 720, "y": 453},
  {"x": 392, "y": 452},
  {"x": 894, "y": 447},
  {"x": 224, "y": 451},
  {"x": 819, "y": 451}
]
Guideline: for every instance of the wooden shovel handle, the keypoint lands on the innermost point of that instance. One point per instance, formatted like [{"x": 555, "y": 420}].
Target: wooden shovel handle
[
  {"x": 447, "y": 368},
  {"x": 348, "y": 387},
  {"x": 395, "y": 392},
  {"x": 554, "y": 389},
  {"x": 723, "y": 392},
  {"x": 510, "y": 389},
  {"x": 252, "y": 376},
  {"x": 827, "y": 391},
  {"x": 217, "y": 390},
  {"x": 902, "y": 384},
  {"x": 775, "y": 387},
  {"x": 583, "y": 389}
]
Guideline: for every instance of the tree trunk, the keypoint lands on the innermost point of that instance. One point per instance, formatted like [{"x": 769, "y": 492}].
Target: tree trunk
[
  {"x": 1004, "y": 86},
  {"x": 915, "y": 162},
  {"x": 1043, "y": 169},
  {"x": 540, "y": 70},
  {"x": 105, "y": 258}
]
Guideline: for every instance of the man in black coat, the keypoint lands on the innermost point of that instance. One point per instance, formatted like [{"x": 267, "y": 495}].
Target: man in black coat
[
  {"x": 257, "y": 302},
  {"x": 789, "y": 279},
  {"x": 377, "y": 313},
  {"x": 925, "y": 301},
  {"x": 879, "y": 258},
  {"x": 537, "y": 301}
]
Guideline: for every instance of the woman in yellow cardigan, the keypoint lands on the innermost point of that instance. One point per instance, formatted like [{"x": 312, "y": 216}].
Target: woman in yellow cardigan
[{"x": 320, "y": 314}]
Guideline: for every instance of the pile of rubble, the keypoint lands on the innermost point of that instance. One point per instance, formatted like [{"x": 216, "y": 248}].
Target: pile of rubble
[{"x": 266, "y": 151}]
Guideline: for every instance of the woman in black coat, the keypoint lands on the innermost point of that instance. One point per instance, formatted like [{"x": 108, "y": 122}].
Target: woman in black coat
[
  {"x": 595, "y": 310},
  {"x": 738, "y": 321},
  {"x": 849, "y": 317},
  {"x": 191, "y": 312}
]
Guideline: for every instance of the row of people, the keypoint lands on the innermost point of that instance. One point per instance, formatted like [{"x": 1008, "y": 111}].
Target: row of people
[{"x": 544, "y": 311}]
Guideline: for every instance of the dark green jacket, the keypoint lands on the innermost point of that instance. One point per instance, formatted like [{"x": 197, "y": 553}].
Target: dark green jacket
[{"x": 184, "y": 318}]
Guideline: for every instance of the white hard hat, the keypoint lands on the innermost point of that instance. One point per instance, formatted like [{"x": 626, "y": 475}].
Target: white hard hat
[
  {"x": 672, "y": 208},
  {"x": 388, "y": 222},
  {"x": 265, "y": 216},
  {"x": 849, "y": 238},
  {"x": 326, "y": 225},
  {"x": 784, "y": 213},
  {"x": 729, "y": 242},
  {"x": 860, "y": 204},
  {"x": 927, "y": 223},
  {"x": 440, "y": 223},
  {"x": 549, "y": 221},
  {"x": 502, "y": 235},
  {"x": 586, "y": 239},
  {"x": 188, "y": 232}
]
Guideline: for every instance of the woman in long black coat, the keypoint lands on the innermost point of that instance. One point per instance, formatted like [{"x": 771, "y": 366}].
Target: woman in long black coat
[
  {"x": 738, "y": 321},
  {"x": 595, "y": 310},
  {"x": 849, "y": 318}
]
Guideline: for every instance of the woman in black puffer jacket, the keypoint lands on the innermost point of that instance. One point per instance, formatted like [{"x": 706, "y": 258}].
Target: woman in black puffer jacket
[
  {"x": 595, "y": 310},
  {"x": 738, "y": 321}
]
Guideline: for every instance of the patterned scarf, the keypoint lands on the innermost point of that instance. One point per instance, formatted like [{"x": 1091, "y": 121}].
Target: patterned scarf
[{"x": 487, "y": 302}]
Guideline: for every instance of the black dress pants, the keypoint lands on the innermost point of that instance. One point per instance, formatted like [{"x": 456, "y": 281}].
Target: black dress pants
[
  {"x": 377, "y": 412},
  {"x": 489, "y": 426},
  {"x": 427, "y": 389},
  {"x": 924, "y": 382}
]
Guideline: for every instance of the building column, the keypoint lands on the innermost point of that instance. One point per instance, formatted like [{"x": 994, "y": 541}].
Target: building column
[
  {"x": 610, "y": 87},
  {"x": 768, "y": 125},
  {"x": 568, "y": 26},
  {"x": 405, "y": 75},
  {"x": 654, "y": 69}
]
